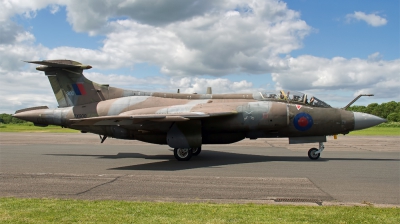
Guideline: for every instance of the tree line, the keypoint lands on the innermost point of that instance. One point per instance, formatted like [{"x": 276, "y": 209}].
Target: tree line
[
  {"x": 9, "y": 119},
  {"x": 389, "y": 111}
]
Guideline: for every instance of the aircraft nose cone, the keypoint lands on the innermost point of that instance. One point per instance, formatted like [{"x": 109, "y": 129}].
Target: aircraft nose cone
[{"x": 363, "y": 120}]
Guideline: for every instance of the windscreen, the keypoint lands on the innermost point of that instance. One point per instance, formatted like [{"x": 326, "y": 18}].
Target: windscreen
[{"x": 292, "y": 97}]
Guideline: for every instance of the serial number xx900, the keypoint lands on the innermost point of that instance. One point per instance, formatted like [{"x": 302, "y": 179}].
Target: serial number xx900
[{"x": 80, "y": 115}]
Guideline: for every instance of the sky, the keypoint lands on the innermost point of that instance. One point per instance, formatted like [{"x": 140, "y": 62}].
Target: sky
[{"x": 333, "y": 50}]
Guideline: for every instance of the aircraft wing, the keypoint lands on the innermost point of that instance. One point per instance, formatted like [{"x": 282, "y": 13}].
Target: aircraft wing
[{"x": 132, "y": 119}]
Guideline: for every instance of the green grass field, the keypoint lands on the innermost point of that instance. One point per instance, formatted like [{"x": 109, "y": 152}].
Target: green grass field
[
  {"x": 31, "y": 128},
  {"x": 13, "y": 210},
  {"x": 382, "y": 131}
]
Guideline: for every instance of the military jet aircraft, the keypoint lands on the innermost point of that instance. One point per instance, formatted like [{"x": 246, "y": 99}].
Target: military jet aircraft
[{"x": 187, "y": 121}]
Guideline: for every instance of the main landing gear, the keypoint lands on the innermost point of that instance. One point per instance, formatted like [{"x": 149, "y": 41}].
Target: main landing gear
[
  {"x": 314, "y": 153},
  {"x": 196, "y": 151},
  {"x": 185, "y": 154}
]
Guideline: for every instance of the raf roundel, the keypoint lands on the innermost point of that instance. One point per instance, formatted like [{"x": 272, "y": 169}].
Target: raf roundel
[{"x": 303, "y": 121}]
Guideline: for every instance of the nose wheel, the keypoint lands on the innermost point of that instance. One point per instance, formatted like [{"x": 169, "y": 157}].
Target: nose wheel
[
  {"x": 312, "y": 154},
  {"x": 315, "y": 153}
]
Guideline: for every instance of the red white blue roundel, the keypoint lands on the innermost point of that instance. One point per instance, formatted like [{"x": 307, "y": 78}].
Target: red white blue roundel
[{"x": 303, "y": 121}]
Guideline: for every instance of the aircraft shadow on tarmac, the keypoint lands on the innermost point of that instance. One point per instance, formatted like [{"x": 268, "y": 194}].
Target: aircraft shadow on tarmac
[{"x": 208, "y": 159}]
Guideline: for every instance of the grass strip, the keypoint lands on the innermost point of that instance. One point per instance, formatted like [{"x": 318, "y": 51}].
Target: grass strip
[
  {"x": 381, "y": 131},
  {"x": 31, "y": 128},
  {"x": 15, "y": 210}
]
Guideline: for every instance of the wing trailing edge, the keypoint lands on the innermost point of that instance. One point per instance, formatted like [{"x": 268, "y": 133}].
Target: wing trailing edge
[{"x": 132, "y": 119}]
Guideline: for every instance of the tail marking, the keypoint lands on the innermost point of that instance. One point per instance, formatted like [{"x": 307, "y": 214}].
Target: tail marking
[{"x": 79, "y": 89}]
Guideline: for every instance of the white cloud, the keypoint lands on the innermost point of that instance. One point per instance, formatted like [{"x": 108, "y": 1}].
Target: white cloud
[
  {"x": 93, "y": 15},
  {"x": 129, "y": 82},
  {"x": 375, "y": 57},
  {"x": 12, "y": 55},
  {"x": 371, "y": 19},
  {"x": 95, "y": 58},
  {"x": 22, "y": 89},
  {"x": 9, "y": 8},
  {"x": 187, "y": 39},
  {"x": 11, "y": 32},
  {"x": 54, "y": 9},
  {"x": 171, "y": 84},
  {"x": 192, "y": 42},
  {"x": 199, "y": 85},
  {"x": 247, "y": 41},
  {"x": 354, "y": 75},
  {"x": 232, "y": 13}
]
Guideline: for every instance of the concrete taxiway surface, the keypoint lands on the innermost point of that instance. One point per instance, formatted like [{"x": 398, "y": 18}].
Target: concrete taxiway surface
[{"x": 350, "y": 170}]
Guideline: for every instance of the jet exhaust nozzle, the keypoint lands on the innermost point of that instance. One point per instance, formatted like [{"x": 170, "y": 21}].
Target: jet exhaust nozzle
[{"x": 40, "y": 116}]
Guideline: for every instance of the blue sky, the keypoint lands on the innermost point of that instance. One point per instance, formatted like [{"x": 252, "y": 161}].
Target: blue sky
[
  {"x": 333, "y": 49},
  {"x": 53, "y": 30},
  {"x": 336, "y": 37}
]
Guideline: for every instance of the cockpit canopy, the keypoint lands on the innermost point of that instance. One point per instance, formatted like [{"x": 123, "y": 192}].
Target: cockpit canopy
[{"x": 293, "y": 97}]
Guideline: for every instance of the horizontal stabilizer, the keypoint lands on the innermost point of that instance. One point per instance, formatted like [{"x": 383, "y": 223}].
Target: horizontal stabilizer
[{"x": 61, "y": 64}]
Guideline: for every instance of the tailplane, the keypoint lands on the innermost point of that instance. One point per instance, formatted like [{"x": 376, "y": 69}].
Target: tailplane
[{"x": 71, "y": 87}]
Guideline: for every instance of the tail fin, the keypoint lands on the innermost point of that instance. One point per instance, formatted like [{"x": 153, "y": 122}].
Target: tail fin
[{"x": 71, "y": 87}]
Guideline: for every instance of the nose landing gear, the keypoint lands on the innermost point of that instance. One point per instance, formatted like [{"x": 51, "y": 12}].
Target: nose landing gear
[{"x": 314, "y": 153}]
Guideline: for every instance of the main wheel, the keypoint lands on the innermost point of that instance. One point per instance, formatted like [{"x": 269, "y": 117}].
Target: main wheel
[
  {"x": 312, "y": 155},
  {"x": 183, "y": 154},
  {"x": 196, "y": 151}
]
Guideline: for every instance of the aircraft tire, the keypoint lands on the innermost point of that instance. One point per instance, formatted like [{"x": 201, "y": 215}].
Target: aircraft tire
[
  {"x": 196, "y": 151},
  {"x": 312, "y": 155},
  {"x": 183, "y": 154}
]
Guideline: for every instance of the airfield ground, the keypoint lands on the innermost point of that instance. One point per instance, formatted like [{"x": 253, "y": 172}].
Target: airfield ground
[{"x": 352, "y": 170}]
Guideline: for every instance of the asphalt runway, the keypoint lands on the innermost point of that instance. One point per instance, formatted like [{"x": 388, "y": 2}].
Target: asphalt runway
[{"x": 351, "y": 170}]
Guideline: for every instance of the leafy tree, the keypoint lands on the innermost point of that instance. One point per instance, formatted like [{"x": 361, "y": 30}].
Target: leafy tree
[
  {"x": 381, "y": 110},
  {"x": 372, "y": 107},
  {"x": 394, "y": 117},
  {"x": 5, "y": 118},
  {"x": 387, "y": 108},
  {"x": 9, "y": 119},
  {"x": 358, "y": 108}
]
